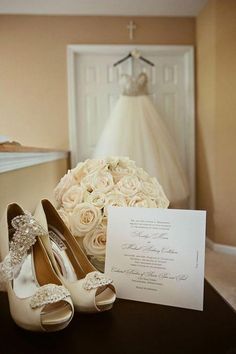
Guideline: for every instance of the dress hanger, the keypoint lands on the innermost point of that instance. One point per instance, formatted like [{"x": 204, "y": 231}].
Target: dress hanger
[{"x": 134, "y": 54}]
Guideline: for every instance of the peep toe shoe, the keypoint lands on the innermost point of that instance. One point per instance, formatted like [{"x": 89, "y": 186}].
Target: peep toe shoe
[
  {"x": 90, "y": 290},
  {"x": 38, "y": 301}
]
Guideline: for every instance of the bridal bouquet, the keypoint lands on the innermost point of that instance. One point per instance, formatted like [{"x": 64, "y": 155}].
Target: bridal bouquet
[{"x": 85, "y": 192}]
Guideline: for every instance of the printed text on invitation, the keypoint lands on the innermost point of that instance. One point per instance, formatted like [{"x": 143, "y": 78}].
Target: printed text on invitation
[{"x": 157, "y": 255}]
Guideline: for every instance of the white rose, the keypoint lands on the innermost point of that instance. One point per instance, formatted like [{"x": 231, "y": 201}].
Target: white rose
[
  {"x": 79, "y": 172},
  {"x": 112, "y": 161},
  {"x": 141, "y": 174},
  {"x": 65, "y": 183},
  {"x": 114, "y": 199},
  {"x": 122, "y": 170},
  {"x": 142, "y": 201},
  {"x": 84, "y": 218},
  {"x": 150, "y": 189},
  {"x": 155, "y": 191},
  {"x": 73, "y": 196},
  {"x": 96, "y": 198},
  {"x": 129, "y": 185},
  {"x": 88, "y": 167},
  {"x": 94, "y": 165},
  {"x": 102, "y": 181},
  {"x": 94, "y": 242},
  {"x": 125, "y": 162},
  {"x": 162, "y": 202},
  {"x": 65, "y": 216}
]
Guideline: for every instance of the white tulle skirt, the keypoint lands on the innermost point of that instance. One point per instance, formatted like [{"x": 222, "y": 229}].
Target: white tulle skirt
[{"x": 136, "y": 130}]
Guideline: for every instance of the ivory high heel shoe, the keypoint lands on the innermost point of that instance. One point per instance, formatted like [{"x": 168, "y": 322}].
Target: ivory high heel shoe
[
  {"x": 37, "y": 299},
  {"x": 90, "y": 290}
]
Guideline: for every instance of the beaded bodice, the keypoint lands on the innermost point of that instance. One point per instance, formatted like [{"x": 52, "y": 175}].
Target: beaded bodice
[{"x": 131, "y": 86}]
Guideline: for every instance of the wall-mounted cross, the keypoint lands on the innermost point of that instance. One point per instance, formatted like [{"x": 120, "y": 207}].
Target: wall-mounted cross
[{"x": 131, "y": 27}]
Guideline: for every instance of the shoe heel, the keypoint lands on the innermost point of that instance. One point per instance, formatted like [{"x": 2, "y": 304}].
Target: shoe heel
[
  {"x": 2, "y": 285},
  {"x": 3, "y": 288}
]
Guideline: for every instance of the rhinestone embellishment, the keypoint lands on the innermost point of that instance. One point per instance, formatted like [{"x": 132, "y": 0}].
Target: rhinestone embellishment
[
  {"x": 48, "y": 294},
  {"x": 95, "y": 280},
  {"x": 26, "y": 229}
]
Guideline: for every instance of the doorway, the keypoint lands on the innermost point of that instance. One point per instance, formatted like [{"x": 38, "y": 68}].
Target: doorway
[{"x": 93, "y": 87}]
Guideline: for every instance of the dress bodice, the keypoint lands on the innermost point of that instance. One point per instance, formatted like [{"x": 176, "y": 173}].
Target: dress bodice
[{"x": 131, "y": 86}]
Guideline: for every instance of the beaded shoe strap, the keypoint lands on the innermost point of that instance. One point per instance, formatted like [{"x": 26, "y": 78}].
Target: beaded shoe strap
[{"x": 26, "y": 229}]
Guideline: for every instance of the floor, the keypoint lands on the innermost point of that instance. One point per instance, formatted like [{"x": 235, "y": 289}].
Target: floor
[{"x": 220, "y": 271}]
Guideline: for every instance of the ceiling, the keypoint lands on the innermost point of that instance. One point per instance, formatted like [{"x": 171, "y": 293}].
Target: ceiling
[{"x": 103, "y": 7}]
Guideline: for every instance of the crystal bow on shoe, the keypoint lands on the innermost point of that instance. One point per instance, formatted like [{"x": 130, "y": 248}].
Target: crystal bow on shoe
[
  {"x": 26, "y": 230},
  {"x": 48, "y": 294},
  {"x": 95, "y": 280}
]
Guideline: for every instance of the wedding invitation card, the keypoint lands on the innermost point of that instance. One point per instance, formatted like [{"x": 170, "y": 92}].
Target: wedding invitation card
[{"x": 157, "y": 255}]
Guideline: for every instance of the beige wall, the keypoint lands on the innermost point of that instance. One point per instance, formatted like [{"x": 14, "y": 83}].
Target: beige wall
[
  {"x": 205, "y": 129},
  {"x": 33, "y": 100},
  {"x": 33, "y": 85},
  {"x": 216, "y": 123},
  {"x": 27, "y": 186}
]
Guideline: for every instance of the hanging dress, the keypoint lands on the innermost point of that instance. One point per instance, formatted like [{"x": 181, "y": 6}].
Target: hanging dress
[{"x": 135, "y": 129}]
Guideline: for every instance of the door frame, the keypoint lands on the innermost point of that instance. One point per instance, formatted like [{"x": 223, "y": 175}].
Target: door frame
[{"x": 186, "y": 50}]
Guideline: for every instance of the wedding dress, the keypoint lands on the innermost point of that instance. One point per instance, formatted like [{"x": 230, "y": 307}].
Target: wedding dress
[{"x": 136, "y": 130}]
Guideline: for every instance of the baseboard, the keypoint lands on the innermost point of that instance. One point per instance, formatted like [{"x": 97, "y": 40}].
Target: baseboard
[{"x": 217, "y": 247}]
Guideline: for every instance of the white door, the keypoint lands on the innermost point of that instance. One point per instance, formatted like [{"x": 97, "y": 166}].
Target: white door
[{"x": 94, "y": 90}]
